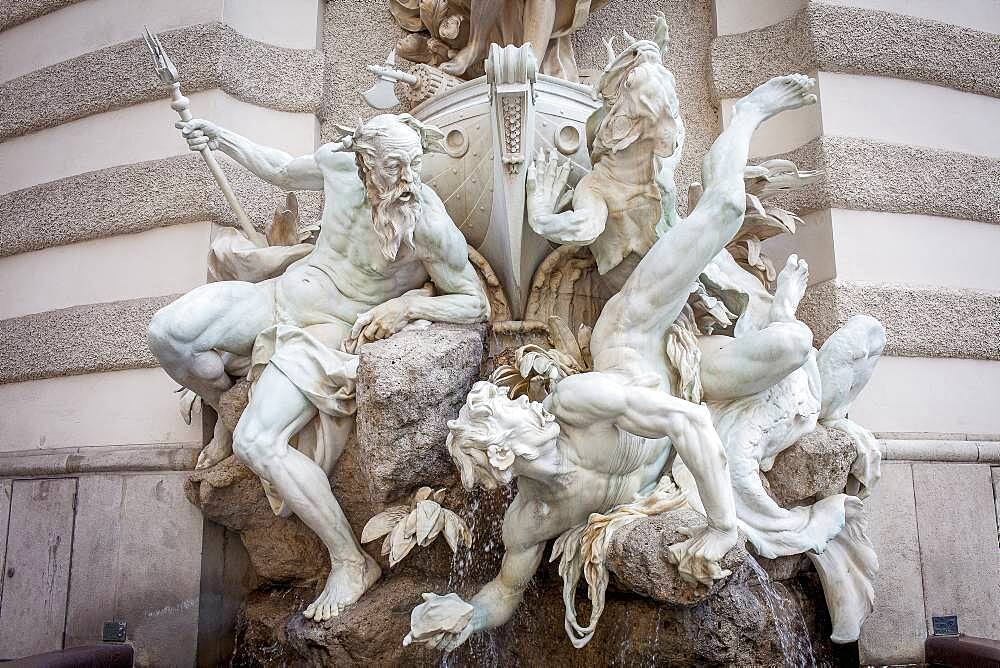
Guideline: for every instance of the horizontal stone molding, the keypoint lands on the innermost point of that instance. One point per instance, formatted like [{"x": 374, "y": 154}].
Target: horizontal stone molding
[
  {"x": 135, "y": 198},
  {"x": 834, "y": 38},
  {"x": 16, "y": 12},
  {"x": 934, "y": 436},
  {"x": 207, "y": 56},
  {"x": 100, "y": 459},
  {"x": 920, "y": 321},
  {"x": 77, "y": 340},
  {"x": 869, "y": 175},
  {"x": 970, "y": 452}
]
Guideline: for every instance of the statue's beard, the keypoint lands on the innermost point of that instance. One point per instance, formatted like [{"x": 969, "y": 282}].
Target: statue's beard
[{"x": 394, "y": 214}]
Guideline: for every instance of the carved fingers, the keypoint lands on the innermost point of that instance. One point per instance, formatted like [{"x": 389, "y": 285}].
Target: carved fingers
[
  {"x": 380, "y": 322},
  {"x": 697, "y": 558},
  {"x": 546, "y": 184},
  {"x": 199, "y": 134}
]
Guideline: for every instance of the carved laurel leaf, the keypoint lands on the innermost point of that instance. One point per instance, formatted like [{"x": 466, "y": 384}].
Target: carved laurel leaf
[
  {"x": 383, "y": 523},
  {"x": 284, "y": 228},
  {"x": 429, "y": 522},
  {"x": 402, "y": 542},
  {"x": 187, "y": 404},
  {"x": 439, "y": 495},
  {"x": 456, "y": 531},
  {"x": 754, "y": 206}
]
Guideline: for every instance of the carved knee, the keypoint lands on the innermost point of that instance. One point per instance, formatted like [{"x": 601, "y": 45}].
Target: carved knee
[
  {"x": 159, "y": 332},
  {"x": 866, "y": 330},
  {"x": 793, "y": 343},
  {"x": 254, "y": 446}
]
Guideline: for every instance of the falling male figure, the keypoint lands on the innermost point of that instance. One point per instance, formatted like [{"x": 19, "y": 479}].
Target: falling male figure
[
  {"x": 384, "y": 234},
  {"x": 600, "y": 439}
]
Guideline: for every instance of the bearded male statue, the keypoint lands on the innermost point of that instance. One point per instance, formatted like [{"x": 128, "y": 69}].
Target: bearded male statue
[{"x": 384, "y": 235}]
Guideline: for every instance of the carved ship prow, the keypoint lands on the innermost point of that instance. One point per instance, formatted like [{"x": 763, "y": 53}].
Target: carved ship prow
[{"x": 493, "y": 127}]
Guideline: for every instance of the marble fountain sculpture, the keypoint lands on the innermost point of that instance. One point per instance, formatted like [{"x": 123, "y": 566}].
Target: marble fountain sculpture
[{"x": 643, "y": 362}]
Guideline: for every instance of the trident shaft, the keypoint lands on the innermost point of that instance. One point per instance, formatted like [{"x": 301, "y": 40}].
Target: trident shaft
[{"x": 167, "y": 73}]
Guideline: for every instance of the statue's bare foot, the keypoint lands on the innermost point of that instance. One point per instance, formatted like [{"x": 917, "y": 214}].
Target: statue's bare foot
[
  {"x": 462, "y": 61},
  {"x": 347, "y": 582},
  {"x": 697, "y": 558},
  {"x": 792, "y": 283},
  {"x": 777, "y": 95},
  {"x": 219, "y": 448}
]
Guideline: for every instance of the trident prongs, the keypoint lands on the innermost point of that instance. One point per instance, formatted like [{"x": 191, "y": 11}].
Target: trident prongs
[{"x": 165, "y": 69}]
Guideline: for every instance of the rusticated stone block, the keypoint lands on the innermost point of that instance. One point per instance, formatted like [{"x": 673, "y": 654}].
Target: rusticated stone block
[
  {"x": 816, "y": 465},
  {"x": 638, "y": 558},
  {"x": 409, "y": 386}
]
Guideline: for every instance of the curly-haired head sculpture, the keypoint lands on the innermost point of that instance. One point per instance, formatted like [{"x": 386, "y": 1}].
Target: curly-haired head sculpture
[{"x": 492, "y": 431}]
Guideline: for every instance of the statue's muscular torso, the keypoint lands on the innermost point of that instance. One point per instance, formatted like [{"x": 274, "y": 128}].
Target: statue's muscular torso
[{"x": 347, "y": 274}]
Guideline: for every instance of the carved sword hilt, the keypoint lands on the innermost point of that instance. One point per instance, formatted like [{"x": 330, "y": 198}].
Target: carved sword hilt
[{"x": 167, "y": 73}]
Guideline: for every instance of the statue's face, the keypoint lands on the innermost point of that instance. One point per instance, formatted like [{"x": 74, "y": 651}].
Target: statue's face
[
  {"x": 532, "y": 425},
  {"x": 397, "y": 162},
  {"x": 640, "y": 102},
  {"x": 392, "y": 179},
  {"x": 495, "y": 437},
  {"x": 530, "y": 431}
]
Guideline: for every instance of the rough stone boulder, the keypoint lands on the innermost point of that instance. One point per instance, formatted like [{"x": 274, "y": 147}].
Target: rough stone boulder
[
  {"x": 409, "y": 386},
  {"x": 638, "y": 558},
  {"x": 749, "y": 622},
  {"x": 281, "y": 550},
  {"x": 815, "y": 466},
  {"x": 784, "y": 568},
  {"x": 232, "y": 403}
]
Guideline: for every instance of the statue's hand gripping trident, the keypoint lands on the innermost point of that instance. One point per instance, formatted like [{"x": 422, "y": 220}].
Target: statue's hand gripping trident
[{"x": 167, "y": 73}]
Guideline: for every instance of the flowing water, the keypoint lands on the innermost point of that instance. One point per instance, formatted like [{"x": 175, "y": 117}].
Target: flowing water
[
  {"x": 472, "y": 567},
  {"x": 790, "y": 626}
]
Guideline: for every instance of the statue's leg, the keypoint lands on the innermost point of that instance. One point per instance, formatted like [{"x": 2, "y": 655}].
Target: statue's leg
[
  {"x": 658, "y": 288},
  {"x": 187, "y": 335},
  {"x": 539, "y": 19},
  {"x": 277, "y": 410},
  {"x": 846, "y": 362},
  {"x": 484, "y": 15},
  {"x": 752, "y": 362}
]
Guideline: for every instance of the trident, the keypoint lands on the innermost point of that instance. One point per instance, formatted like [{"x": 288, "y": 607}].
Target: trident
[{"x": 167, "y": 73}]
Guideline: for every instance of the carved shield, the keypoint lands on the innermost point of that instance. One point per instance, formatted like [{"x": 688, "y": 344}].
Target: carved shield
[{"x": 493, "y": 126}]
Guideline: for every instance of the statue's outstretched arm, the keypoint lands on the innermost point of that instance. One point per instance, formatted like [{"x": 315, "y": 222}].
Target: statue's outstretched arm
[
  {"x": 445, "y": 255},
  {"x": 491, "y": 607},
  {"x": 590, "y": 397},
  {"x": 654, "y": 414},
  {"x": 689, "y": 426},
  {"x": 498, "y": 599},
  {"x": 270, "y": 164}
]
